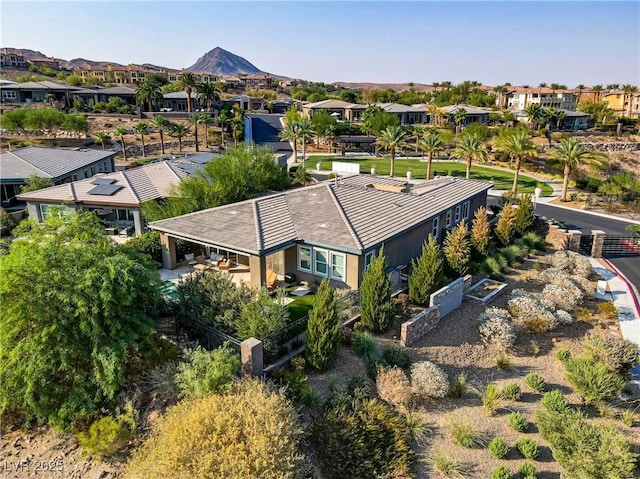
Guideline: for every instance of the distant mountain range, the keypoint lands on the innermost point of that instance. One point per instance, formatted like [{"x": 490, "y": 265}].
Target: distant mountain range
[{"x": 222, "y": 62}]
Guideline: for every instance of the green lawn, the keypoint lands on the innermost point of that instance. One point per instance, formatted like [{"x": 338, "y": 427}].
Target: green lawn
[
  {"x": 300, "y": 306},
  {"x": 503, "y": 180}
]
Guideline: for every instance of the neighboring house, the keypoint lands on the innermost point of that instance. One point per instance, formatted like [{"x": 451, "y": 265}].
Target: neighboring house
[
  {"x": 245, "y": 102},
  {"x": 118, "y": 196},
  {"x": 520, "y": 98},
  {"x": 264, "y": 130},
  {"x": 62, "y": 166},
  {"x": 329, "y": 230},
  {"x": 126, "y": 93},
  {"x": 618, "y": 101},
  {"x": 261, "y": 80},
  {"x": 408, "y": 115},
  {"x": 474, "y": 114},
  {"x": 202, "y": 77},
  {"x": 339, "y": 109},
  {"x": 45, "y": 62},
  {"x": 177, "y": 101},
  {"x": 352, "y": 112},
  {"x": 40, "y": 91},
  {"x": 573, "y": 120},
  {"x": 11, "y": 58}
]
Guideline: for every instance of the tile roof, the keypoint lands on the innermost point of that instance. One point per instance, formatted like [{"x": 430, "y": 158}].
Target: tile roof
[
  {"x": 471, "y": 110},
  {"x": 48, "y": 162},
  {"x": 117, "y": 90},
  {"x": 344, "y": 216},
  {"x": 399, "y": 108},
  {"x": 139, "y": 185},
  {"x": 329, "y": 104}
]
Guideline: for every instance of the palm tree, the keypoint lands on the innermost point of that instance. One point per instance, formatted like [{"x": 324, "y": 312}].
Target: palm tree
[
  {"x": 613, "y": 86},
  {"x": 119, "y": 133},
  {"x": 500, "y": 90},
  {"x": 102, "y": 137},
  {"x": 160, "y": 123},
  {"x": 560, "y": 115},
  {"x": 418, "y": 132},
  {"x": 194, "y": 119},
  {"x": 179, "y": 131},
  {"x": 142, "y": 129},
  {"x": 533, "y": 113},
  {"x": 187, "y": 82},
  {"x": 519, "y": 146},
  {"x": 458, "y": 118},
  {"x": 207, "y": 94},
  {"x": 629, "y": 90},
  {"x": 392, "y": 138},
  {"x": 431, "y": 143},
  {"x": 571, "y": 152},
  {"x": 148, "y": 92},
  {"x": 223, "y": 121},
  {"x": 597, "y": 89},
  {"x": 237, "y": 123},
  {"x": 206, "y": 120},
  {"x": 470, "y": 147},
  {"x": 580, "y": 87},
  {"x": 291, "y": 133},
  {"x": 306, "y": 132}
]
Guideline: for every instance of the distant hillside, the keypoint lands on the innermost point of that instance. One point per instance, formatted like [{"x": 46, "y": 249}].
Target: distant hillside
[
  {"x": 384, "y": 86},
  {"x": 222, "y": 62}
]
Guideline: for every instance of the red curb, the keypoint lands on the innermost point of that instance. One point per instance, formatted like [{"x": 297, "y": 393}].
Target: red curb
[{"x": 626, "y": 282}]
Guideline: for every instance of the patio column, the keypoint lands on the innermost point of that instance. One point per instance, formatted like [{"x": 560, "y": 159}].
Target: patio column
[
  {"x": 137, "y": 222},
  {"x": 258, "y": 268},
  {"x": 168, "y": 245}
]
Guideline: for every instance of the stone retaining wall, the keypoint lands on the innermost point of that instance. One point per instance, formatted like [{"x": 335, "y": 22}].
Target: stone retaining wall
[
  {"x": 611, "y": 146},
  {"x": 412, "y": 330}
]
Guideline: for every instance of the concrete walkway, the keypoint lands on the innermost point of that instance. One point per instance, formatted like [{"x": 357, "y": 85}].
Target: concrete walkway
[{"x": 621, "y": 292}]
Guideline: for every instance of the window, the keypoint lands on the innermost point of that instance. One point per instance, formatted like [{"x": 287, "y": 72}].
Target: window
[
  {"x": 304, "y": 258},
  {"x": 368, "y": 258},
  {"x": 465, "y": 210},
  {"x": 48, "y": 210},
  {"x": 449, "y": 215},
  {"x": 436, "y": 227},
  {"x": 457, "y": 213},
  {"x": 320, "y": 261},
  {"x": 338, "y": 263}
]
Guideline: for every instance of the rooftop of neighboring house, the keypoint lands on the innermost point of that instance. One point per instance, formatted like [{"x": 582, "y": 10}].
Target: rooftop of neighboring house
[
  {"x": 179, "y": 95},
  {"x": 471, "y": 110},
  {"x": 128, "y": 188},
  {"x": 399, "y": 108},
  {"x": 567, "y": 113},
  {"x": 331, "y": 103},
  {"x": 117, "y": 90},
  {"x": 353, "y": 214},
  {"x": 38, "y": 85},
  {"x": 52, "y": 163}
]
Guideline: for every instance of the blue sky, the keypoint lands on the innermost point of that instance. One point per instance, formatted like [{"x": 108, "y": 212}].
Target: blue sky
[{"x": 491, "y": 42}]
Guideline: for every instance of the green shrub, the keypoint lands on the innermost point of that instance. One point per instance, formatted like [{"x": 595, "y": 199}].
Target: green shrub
[
  {"x": 517, "y": 421},
  {"x": 361, "y": 438},
  {"x": 628, "y": 417},
  {"x": 501, "y": 472},
  {"x": 608, "y": 310},
  {"x": 491, "y": 266},
  {"x": 416, "y": 427},
  {"x": 509, "y": 254},
  {"x": 466, "y": 436},
  {"x": 593, "y": 379},
  {"x": 527, "y": 447},
  {"x": 206, "y": 372},
  {"x": 498, "y": 448},
  {"x": 148, "y": 243},
  {"x": 323, "y": 328},
  {"x": 459, "y": 386},
  {"x": 491, "y": 399},
  {"x": 533, "y": 242},
  {"x": 109, "y": 434},
  {"x": 449, "y": 467},
  {"x": 535, "y": 382},
  {"x": 365, "y": 346},
  {"x": 554, "y": 401},
  {"x": 512, "y": 392},
  {"x": 427, "y": 272},
  {"x": 162, "y": 381},
  {"x": 505, "y": 228},
  {"x": 562, "y": 355},
  {"x": 396, "y": 356},
  {"x": 527, "y": 471},
  {"x": 503, "y": 361},
  {"x": 620, "y": 355},
  {"x": 377, "y": 310}
]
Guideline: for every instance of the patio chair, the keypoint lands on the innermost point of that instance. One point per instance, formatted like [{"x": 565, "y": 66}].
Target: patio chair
[
  {"x": 225, "y": 265},
  {"x": 190, "y": 258},
  {"x": 271, "y": 280}
]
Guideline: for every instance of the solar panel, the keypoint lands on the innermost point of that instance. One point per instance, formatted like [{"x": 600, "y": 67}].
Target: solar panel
[
  {"x": 103, "y": 181},
  {"x": 105, "y": 190}
]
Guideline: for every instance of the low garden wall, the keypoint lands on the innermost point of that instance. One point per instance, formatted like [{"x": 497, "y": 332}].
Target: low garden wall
[
  {"x": 412, "y": 330},
  {"x": 449, "y": 297}
]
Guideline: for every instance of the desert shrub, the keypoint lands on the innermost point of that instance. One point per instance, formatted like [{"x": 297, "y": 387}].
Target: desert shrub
[
  {"x": 365, "y": 346},
  {"x": 162, "y": 381},
  {"x": 620, "y": 355},
  {"x": 496, "y": 328},
  {"x": 533, "y": 242},
  {"x": 563, "y": 317},
  {"x": 418, "y": 430},
  {"x": 402, "y": 306},
  {"x": 554, "y": 401},
  {"x": 532, "y": 313},
  {"x": 527, "y": 447},
  {"x": 512, "y": 392},
  {"x": 586, "y": 449},
  {"x": 448, "y": 467},
  {"x": 109, "y": 434},
  {"x": 628, "y": 417},
  {"x": 509, "y": 253},
  {"x": 498, "y": 448},
  {"x": 206, "y": 372},
  {"x": 491, "y": 266},
  {"x": 491, "y": 399},
  {"x": 501, "y": 472},
  {"x": 576, "y": 286},
  {"x": 571, "y": 263},
  {"x": 393, "y": 386},
  {"x": 584, "y": 314},
  {"x": 503, "y": 361},
  {"x": 428, "y": 380},
  {"x": 459, "y": 386},
  {"x": 527, "y": 471},
  {"x": 466, "y": 436},
  {"x": 250, "y": 431},
  {"x": 396, "y": 356},
  {"x": 561, "y": 298},
  {"x": 593, "y": 379},
  {"x": 535, "y": 382},
  {"x": 562, "y": 355},
  {"x": 517, "y": 421},
  {"x": 608, "y": 310},
  {"x": 534, "y": 348},
  {"x": 361, "y": 438}
]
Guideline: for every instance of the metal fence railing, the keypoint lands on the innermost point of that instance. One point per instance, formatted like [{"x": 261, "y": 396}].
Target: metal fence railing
[{"x": 207, "y": 336}]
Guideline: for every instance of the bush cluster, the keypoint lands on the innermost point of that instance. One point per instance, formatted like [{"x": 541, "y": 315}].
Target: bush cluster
[
  {"x": 496, "y": 328},
  {"x": 512, "y": 392},
  {"x": 517, "y": 421},
  {"x": 532, "y": 312},
  {"x": 535, "y": 382},
  {"x": 527, "y": 447},
  {"x": 109, "y": 434},
  {"x": 593, "y": 379},
  {"x": 393, "y": 386},
  {"x": 498, "y": 448},
  {"x": 620, "y": 355},
  {"x": 571, "y": 263},
  {"x": 428, "y": 380},
  {"x": 561, "y": 298},
  {"x": 207, "y": 372}
]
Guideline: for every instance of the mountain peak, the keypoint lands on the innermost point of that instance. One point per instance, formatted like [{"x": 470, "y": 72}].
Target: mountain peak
[{"x": 221, "y": 62}]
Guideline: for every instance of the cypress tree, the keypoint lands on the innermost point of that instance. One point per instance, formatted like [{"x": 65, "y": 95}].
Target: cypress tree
[
  {"x": 506, "y": 226},
  {"x": 524, "y": 214},
  {"x": 427, "y": 272},
  {"x": 457, "y": 248},
  {"x": 323, "y": 328},
  {"x": 480, "y": 232},
  {"x": 376, "y": 308}
]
